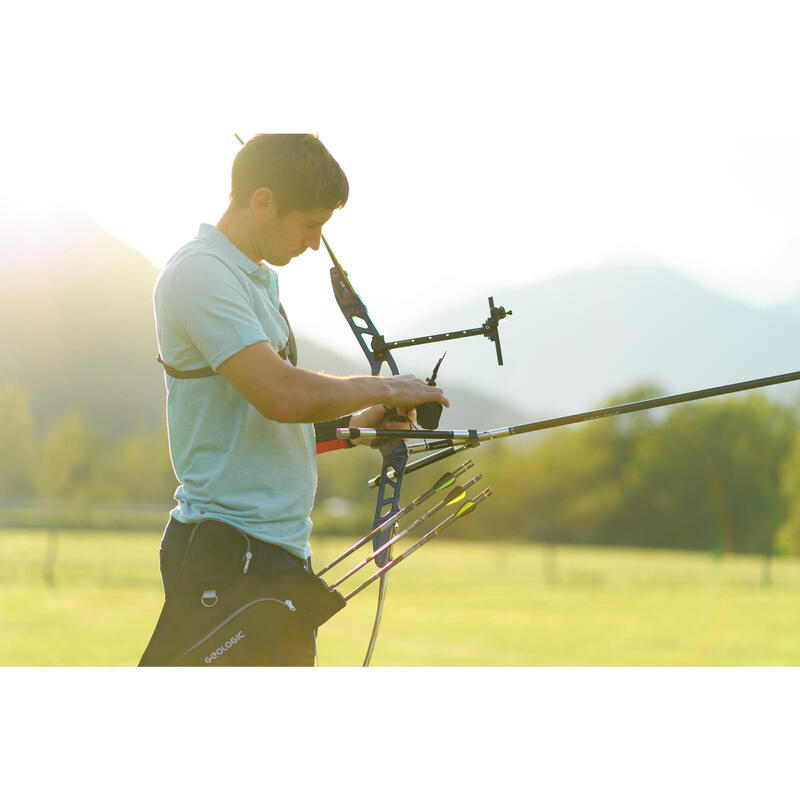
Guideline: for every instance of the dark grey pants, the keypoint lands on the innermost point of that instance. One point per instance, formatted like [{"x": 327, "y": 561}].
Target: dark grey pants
[{"x": 268, "y": 560}]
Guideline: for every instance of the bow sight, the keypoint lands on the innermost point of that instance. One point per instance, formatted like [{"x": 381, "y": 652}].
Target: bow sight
[{"x": 381, "y": 349}]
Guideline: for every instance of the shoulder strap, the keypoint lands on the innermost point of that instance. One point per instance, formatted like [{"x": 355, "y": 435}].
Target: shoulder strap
[
  {"x": 203, "y": 372},
  {"x": 290, "y": 352}
]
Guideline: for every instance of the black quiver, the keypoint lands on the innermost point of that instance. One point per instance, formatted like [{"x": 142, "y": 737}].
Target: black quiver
[{"x": 217, "y": 614}]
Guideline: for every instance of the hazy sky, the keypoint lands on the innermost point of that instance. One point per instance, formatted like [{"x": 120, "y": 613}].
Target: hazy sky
[{"x": 487, "y": 145}]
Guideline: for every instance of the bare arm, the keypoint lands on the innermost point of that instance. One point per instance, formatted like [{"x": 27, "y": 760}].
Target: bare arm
[{"x": 290, "y": 394}]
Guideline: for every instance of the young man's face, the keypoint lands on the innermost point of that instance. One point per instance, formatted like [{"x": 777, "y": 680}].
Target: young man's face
[{"x": 287, "y": 235}]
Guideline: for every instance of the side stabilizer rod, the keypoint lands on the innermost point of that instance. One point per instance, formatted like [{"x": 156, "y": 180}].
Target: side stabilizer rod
[{"x": 425, "y": 461}]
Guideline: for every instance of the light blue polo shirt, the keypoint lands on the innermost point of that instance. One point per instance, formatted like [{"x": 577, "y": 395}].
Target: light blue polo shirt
[{"x": 233, "y": 464}]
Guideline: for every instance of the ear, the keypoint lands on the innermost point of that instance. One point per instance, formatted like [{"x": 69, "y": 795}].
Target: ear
[{"x": 262, "y": 204}]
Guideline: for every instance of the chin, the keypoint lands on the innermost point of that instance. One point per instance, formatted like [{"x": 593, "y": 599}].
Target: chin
[{"x": 278, "y": 262}]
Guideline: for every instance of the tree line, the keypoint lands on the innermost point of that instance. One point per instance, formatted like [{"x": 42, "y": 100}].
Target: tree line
[
  {"x": 720, "y": 475},
  {"x": 75, "y": 461}
]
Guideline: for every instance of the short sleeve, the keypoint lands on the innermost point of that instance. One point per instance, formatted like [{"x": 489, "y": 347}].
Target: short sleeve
[{"x": 212, "y": 306}]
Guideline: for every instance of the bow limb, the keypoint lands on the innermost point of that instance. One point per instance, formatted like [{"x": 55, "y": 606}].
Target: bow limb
[
  {"x": 394, "y": 453},
  {"x": 357, "y": 316}
]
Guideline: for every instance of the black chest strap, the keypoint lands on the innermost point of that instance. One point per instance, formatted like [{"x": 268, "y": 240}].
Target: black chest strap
[{"x": 290, "y": 352}]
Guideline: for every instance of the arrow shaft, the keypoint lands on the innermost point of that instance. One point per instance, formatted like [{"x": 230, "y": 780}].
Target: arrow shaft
[
  {"x": 438, "y": 486},
  {"x": 419, "y": 543},
  {"x": 427, "y": 515}
]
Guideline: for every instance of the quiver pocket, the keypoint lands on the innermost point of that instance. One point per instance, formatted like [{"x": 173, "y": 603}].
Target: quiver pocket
[{"x": 218, "y": 614}]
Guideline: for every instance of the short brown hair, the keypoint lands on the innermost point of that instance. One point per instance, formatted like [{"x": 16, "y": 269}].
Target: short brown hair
[{"x": 297, "y": 167}]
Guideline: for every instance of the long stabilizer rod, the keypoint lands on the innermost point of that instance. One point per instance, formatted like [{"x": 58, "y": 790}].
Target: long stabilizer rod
[
  {"x": 466, "y": 508},
  {"x": 473, "y": 437}
]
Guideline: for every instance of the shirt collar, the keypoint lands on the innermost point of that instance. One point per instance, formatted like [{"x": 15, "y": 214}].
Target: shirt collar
[{"x": 234, "y": 255}]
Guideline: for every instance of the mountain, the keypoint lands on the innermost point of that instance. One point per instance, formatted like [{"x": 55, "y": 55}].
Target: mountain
[
  {"x": 76, "y": 323},
  {"x": 76, "y": 327},
  {"x": 575, "y": 339}
]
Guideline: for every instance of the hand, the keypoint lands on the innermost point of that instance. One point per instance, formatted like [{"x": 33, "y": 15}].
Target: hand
[
  {"x": 407, "y": 392},
  {"x": 376, "y": 417}
]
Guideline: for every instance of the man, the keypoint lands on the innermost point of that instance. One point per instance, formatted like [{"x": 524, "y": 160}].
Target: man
[{"x": 240, "y": 415}]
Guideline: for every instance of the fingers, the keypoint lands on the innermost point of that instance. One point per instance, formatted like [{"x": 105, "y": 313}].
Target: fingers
[
  {"x": 411, "y": 391},
  {"x": 411, "y": 416}
]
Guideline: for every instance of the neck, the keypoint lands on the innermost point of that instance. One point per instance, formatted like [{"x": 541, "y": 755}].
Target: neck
[{"x": 234, "y": 225}]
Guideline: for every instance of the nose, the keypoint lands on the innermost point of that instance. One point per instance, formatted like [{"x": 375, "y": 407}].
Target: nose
[{"x": 314, "y": 242}]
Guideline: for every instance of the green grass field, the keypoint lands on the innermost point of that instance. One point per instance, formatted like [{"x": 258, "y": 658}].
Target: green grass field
[{"x": 452, "y": 604}]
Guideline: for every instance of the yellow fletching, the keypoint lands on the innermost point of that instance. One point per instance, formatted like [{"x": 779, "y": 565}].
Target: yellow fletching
[
  {"x": 465, "y": 509},
  {"x": 457, "y": 499}
]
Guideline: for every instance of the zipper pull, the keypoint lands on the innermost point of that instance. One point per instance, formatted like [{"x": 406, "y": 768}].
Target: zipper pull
[
  {"x": 247, "y": 556},
  {"x": 209, "y": 598},
  {"x": 290, "y": 605}
]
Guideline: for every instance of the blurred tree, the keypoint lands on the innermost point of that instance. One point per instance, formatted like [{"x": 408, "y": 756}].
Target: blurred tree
[
  {"x": 722, "y": 474},
  {"x": 700, "y": 476},
  {"x": 574, "y": 486},
  {"x": 567, "y": 485},
  {"x": 788, "y": 536},
  {"x": 142, "y": 469},
  {"x": 17, "y": 443},
  {"x": 75, "y": 464},
  {"x": 707, "y": 477}
]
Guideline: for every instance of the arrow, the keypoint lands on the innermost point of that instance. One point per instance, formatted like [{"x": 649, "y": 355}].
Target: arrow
[
  {"x": 455, "y": 496},
  {"x": 462, "y": 512},
  {"x": 446, "y": 480}
]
